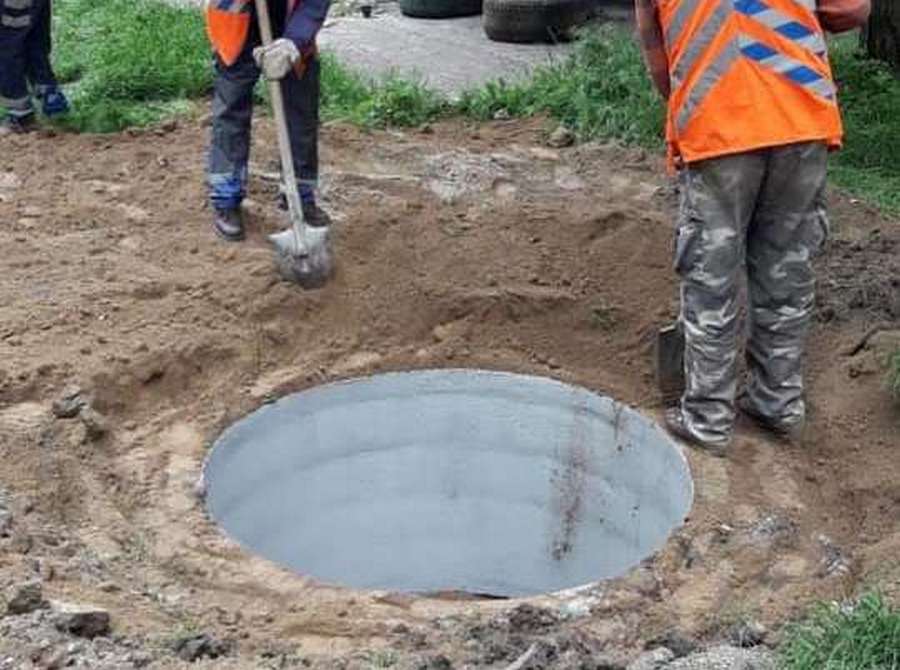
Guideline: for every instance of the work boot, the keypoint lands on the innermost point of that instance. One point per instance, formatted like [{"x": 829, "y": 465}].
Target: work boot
[
  {"x": 17, "y": 125},
  {"x": 677, "y": 426},
  {"x": 789, "y": 431},
  {"x": 229, "y": 224},
  {"x": 54, "y": 102},
  {"x": 315, "y": 216}
]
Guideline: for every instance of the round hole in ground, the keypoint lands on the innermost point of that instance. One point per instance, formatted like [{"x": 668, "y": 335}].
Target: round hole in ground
[{"x": 449, "y": 480}]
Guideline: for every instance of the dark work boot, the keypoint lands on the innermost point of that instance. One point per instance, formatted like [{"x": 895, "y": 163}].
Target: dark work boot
[
  {"x": 15, "y": 124},
  {"x": 315, "y": 216},
  {"x": 229, "y": 224}
]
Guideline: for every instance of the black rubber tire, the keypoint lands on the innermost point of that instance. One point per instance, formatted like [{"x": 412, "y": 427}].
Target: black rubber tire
[
  {"x": 440, "y": 9},
  {"x": 535, "y": 20}
]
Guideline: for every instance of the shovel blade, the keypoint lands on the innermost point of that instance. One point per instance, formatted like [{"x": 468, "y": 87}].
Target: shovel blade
[
  {"x": 670, "y": 362},
  {"x": 310, "y": 263}
]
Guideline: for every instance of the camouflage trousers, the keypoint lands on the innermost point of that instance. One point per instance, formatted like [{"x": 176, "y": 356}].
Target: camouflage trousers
[{"x": 761, "y": 215}]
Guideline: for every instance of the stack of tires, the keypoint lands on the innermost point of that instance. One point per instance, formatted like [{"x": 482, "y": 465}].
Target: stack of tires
[
  {"x": 535, "y": 20},
  {"x": 440, "y": 9}
]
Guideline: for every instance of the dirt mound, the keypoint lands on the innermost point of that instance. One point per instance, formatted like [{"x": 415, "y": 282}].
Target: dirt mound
[{"x": 467, "y": 246}]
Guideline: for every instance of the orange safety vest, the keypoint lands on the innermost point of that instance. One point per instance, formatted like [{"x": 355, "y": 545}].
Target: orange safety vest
[
  {"x": 228, "y": 25},
  {"x": 746, "y": 75}
]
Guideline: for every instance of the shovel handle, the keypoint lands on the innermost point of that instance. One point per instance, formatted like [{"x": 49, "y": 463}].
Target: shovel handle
[{"x": 284, "y": 140}]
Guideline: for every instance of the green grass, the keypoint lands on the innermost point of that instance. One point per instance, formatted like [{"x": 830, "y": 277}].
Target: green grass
[
  {"x": 602, "y": 90},
  {"x": 133, "y": 62},
  {"x": 870, "y": 99},
  {"x": 128, "y": 62},
  {"x": 893, "y": 377},
  {"x": 865, "y": 636}
]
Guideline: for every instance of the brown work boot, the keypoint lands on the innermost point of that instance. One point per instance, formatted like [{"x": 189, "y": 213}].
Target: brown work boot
[
  {"x": 229, "y": 224},
  {"x": 678, "y": 427},
  {"x": 789, "y": 431}
]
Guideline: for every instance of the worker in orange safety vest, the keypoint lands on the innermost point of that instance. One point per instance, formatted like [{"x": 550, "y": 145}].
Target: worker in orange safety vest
[
  {"x": 239, "y": 60},
  {"x": 752, "y": 114}
]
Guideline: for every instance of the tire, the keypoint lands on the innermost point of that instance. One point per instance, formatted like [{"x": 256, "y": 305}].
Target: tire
[
  {"x": 535, "y": 20},
  {"x": 440, "y": 9}
]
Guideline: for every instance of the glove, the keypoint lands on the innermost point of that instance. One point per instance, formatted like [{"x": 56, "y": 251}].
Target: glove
[{"x": 277, "y": 59}]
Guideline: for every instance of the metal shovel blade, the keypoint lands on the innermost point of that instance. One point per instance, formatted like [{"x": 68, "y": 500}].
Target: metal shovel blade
[
  {"x": 670, "y": 362},
  {"x": 309, "y": 264}
]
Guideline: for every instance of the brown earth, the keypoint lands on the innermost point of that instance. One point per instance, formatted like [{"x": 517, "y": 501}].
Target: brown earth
[{"x": 460, "y": 246}]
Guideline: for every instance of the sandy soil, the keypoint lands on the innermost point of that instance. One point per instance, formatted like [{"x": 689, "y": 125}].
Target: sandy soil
[{"x": 459, "y": 246}]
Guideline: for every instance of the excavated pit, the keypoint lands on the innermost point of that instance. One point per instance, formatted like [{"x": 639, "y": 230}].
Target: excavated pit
[{"x": 454, "y": 480}]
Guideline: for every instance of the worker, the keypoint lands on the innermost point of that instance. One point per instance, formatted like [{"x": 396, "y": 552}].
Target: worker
[
  {"x": 752, "y": 115},
  {"x": 239, "y": 59},
  {"x": 25, "y": 60}
]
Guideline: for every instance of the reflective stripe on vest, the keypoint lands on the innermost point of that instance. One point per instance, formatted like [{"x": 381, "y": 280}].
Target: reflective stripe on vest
[{"x": 766, "y": 55}]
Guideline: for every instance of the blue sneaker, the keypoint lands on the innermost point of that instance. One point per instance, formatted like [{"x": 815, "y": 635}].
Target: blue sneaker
[{"x": 54, "y": 102}]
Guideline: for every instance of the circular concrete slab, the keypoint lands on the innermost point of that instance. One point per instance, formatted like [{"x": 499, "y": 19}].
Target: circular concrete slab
[{"x": 484, "y": 482}]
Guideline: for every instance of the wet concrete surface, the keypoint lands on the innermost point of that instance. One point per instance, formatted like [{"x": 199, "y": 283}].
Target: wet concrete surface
[{"x": 472, "y": 481}]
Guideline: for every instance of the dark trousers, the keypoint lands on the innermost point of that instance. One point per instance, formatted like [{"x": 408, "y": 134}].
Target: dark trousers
[
  {"x": 24, "y": 53},
  {"x": 232, "y": 111}
]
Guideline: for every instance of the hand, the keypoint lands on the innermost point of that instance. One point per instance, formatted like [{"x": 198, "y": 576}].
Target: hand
[{"x": 277, "y": 59}]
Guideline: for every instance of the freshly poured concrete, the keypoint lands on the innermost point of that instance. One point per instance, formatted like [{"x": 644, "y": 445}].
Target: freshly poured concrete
[{"x": 485, "y": 482}]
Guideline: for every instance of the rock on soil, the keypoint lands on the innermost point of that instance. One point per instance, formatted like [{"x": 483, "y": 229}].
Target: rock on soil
[
  {"x": 195, "y": 647},
  {"x": 652, "y": 660},
  {"x": 26, "y": 598},
  {"x": 6, "y": 516},
  {"x": 81, "y": 620},
  {"x": 726, "y": 658},
  {"x": 70, "y": 404}
]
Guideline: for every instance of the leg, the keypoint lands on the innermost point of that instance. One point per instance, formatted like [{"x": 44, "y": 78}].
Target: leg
[
  {"x": 37, "y": 49},
  {"x": 301, "y": 95},
  {"x": 15, "y": 24},
  {"x": 39, "y": 70},
  {"x": 718, "y": 200},
  {"x": 232, "y": 110},
  {"x": 788, "y": 230}
]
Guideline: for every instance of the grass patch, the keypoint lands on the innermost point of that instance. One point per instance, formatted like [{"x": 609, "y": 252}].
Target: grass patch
[
  {"x": 390, "y": 101},
  {"x": 893, "y": 377},
  {"x": 602, "y": 90},
  {"x": 870, "y": 98},
  {"x": 865, "y": 636},
  {"x": 128, "y": 62}
]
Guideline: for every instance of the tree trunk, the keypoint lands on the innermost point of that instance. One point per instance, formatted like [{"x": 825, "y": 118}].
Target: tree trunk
[{"x": 882, "y": 35}]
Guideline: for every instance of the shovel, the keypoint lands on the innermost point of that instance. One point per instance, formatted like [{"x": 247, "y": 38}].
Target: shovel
[
  {"x": 670, "y": 362},
  {"x": 303, "y": 253}
]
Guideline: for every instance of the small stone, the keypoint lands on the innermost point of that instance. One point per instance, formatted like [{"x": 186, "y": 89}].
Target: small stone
[
  {"x": 561, "y": 137},
  {"x": 195, "y": 647},
  {"x": 70, "y": 404},
  {"x": 502, "y": 115},
  {"x": 747, "y": 634},
  {"x": 675, "y": 642},
  {"x": 652, "y": 660},
  {"x": 95, "y": 423},
  {"x": 26, "y": 598},
  {"x": 81, "y": 620}
]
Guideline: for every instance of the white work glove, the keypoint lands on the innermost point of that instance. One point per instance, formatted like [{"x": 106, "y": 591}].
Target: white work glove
[{"x": 277, "y": 59}]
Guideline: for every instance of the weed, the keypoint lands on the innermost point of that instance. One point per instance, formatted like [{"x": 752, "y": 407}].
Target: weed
[
  {"x": 603, "y": 316},
  {"x": 893, "y": 377},
  {"x": 383, "y": 659},
  {"x": 861, "y": 636}
]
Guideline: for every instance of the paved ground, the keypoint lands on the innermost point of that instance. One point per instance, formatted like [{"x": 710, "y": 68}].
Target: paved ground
[{"x": 450, "y": 55}]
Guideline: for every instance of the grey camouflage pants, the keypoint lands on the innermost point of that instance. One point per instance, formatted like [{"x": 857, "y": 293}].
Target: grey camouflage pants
[{"x": 761, "y": 213}]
